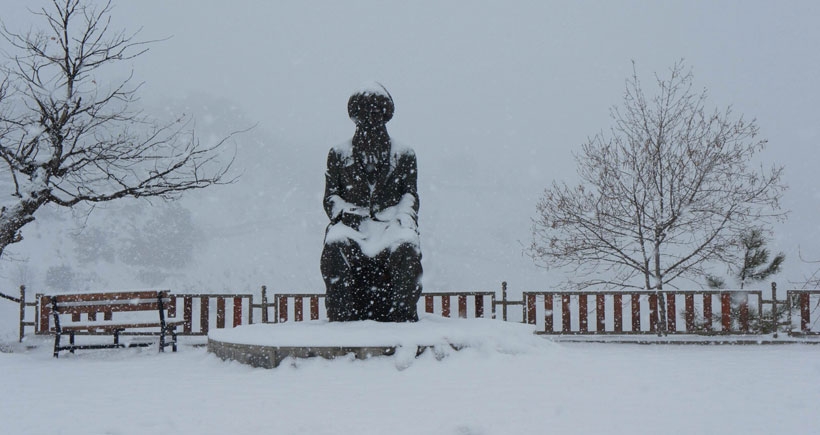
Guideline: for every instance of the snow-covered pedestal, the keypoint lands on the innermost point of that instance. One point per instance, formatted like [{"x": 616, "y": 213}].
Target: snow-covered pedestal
[{"x": 267, "y": 345}]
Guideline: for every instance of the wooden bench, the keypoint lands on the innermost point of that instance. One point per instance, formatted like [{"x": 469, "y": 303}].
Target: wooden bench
[{"x": 147, "y": 317}]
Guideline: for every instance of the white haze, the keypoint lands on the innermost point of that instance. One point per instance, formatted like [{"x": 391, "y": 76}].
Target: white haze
[{"x": 493, "y": 96}]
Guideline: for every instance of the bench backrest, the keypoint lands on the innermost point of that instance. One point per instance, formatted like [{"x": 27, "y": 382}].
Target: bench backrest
[{"x": 93, "y": 304}]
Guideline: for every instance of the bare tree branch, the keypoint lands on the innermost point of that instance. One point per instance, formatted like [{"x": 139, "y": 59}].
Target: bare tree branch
[{"x": 67, "y": 138}]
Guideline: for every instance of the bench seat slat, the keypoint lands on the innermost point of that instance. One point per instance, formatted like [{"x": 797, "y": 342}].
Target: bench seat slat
[
  {"x": 114, "y": 326},
  {"x": 99, "y": 308},
  {"x": 104, "y": 346},
  {"x": 92, "y": 297}
]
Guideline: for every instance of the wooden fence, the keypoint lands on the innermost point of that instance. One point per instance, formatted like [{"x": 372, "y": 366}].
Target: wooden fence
[
  {"x": 636, "y": 312},
  {"x": 574, "y": 313},
  {"x": 292, "y": 306},
  {"x": 203, "y": 312},
  {"x": 469, "y": 304}
]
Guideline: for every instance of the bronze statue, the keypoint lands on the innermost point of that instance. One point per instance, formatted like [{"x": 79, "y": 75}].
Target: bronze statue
[{"x": 371, "y": 261}]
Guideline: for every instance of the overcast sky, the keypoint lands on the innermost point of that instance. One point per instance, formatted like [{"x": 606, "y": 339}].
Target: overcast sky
[{"x": 494, "y": 97}]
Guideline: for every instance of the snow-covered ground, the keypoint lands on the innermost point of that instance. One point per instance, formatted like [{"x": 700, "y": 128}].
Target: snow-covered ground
[
  {"x": 495, "y": 99},
  {"x": 540, "y": 387}
]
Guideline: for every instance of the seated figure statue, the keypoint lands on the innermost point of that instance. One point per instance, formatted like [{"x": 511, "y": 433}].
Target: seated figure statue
[{"x": 371, "y": 261}]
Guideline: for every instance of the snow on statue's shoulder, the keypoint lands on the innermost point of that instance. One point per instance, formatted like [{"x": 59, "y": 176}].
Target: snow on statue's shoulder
[
  {"x": 344, "y": 149},
  {"x": 398, "y": 148}
]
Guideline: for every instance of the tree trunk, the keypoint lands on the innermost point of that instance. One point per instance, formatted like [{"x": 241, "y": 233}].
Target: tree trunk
[
  {"x": 15, "y": 218},
  {"x": 661, "y": 314}
]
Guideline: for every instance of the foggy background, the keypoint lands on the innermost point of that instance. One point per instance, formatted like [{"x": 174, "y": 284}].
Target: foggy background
[{"x": 493, "y": 96}]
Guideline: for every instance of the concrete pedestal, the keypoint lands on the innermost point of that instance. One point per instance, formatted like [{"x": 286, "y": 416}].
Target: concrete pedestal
[{"x": 267, "y": 345}]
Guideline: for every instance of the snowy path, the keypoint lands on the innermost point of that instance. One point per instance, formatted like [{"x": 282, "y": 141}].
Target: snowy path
[{"x": 567, "y": 388}]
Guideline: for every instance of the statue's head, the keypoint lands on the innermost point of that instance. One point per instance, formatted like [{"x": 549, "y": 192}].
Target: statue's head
[{"x": 370, "y": 106}]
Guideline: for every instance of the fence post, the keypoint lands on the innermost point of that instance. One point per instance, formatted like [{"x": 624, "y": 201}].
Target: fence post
[
  {"x": 22, "y": 311},
  {"x": 775, "y": 316},
  {"x": 707, "y": 312},
  {"x": 188, "y": 314},
  {"x": 548, "y": 310},
  {"x": 744, "y": 313},
  {"x": 805, "y": 313},
  {"x": 583, "y": 324},
  {"x": 237, "y": 311},
  {"x": 504, "y": 300},
  {"x": 298, "y": 309},
  {"x": 264, "y": 304},
  {"x": 671, "y": 313},
  {"x": 204, "y": 311},
  {"x": 314, "y": 308},
  {"x": 282, "y": 303},
  {"x": 636, "y": 312},
  {"x": 726, "y": 311},
  {"x": 689, "y": 311},
  {"x": 445, "y": 305},
  {"x": 566, "y": 320},
  {"x": 45, "y": 314},
  {"x": 600, "y": 310},
  {"x": 220, "y": 312},
  {"x": 530, "y": 318}
]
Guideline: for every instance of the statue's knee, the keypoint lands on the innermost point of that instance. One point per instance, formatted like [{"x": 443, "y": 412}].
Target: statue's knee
[
  {"x": 340, "y": 256},
  {"x": 406, "y": 250}
]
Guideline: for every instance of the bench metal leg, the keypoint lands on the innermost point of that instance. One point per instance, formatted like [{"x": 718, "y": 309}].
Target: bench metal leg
[
  {"x": 57, "y": 345},
  {"x": 71, "y": 341},
  {"x": 164, "y": 342}
]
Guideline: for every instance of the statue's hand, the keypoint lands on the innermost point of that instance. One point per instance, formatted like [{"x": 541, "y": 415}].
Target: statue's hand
[
  {"x": 352, "y": 217},
  {"x": 406, "y": 220}
]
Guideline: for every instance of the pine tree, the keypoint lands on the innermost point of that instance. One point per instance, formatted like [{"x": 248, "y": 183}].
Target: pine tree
[{"x": 756, "y": 265}]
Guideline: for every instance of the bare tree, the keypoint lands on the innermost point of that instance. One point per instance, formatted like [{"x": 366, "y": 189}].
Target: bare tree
[
  {"x": 68, "y": 137},
  {"x": 664, "y": 195}
]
